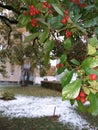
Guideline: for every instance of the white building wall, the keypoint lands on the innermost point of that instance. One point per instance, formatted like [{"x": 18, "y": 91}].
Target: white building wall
[{"x": 13, "y": 73}]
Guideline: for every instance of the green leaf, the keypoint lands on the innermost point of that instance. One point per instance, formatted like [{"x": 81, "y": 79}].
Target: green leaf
[
  {"x": 72, "y": 101},
  {"x": 81, "y": 107},
  {"x": 74, "y": 61},
  {"x": 90, "y": 62},
  {"x": 67, "y": 44},
  {"x": 23, "y": 19},
  {"x": 31, "y": 37},
  {"x": 66, "y": 78},
  {"x": 91, "y": 49},
  {"x": 60, "y": 70},
  {"x": 77, "y": 17},
  {"x": 49, "y": 45},
  {"x": 86, "y": 90},
  {"x": 43, "y": 36},
  {"x": 47, "y": 58},
  {"x": 91, "y": 71},
  {"x": 58, "y": 9},
  {"x": 93, "y": 41},
  {"x": 96, "y": 30},
  {"x": 93, "y": 104},
  {"x": 63, "y": 58},
  {"x": 71, "y": 91},
  {"x": 55, "y": 22},
  {"x": 91, "y": 22},
  {"x": 93, "y": 87}
]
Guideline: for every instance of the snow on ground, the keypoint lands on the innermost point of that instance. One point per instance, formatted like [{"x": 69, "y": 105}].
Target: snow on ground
[{"x": 29, "y": 106}]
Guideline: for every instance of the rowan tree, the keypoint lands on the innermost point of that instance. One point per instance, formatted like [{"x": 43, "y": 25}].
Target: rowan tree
[{"x": 68, "y": 31}]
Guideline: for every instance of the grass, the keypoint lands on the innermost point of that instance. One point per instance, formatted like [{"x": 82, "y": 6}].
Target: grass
[
  {"x": 93, "y": 120},
  {"x": 43, "y": 123},
  {"x": 37, "y": 91}
]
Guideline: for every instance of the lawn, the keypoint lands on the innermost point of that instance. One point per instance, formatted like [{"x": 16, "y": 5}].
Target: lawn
[
  {"x": 39, "y": 123},
  {"x": 37, "y": 91},
  {"x": 44, "y": 123}
]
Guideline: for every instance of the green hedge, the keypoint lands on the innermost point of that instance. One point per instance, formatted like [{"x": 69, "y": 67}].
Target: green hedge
[{"x": 52, "y": 85}]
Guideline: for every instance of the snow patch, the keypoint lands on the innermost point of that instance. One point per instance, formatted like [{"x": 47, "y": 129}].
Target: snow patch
[{"x": 29, "y": 106}]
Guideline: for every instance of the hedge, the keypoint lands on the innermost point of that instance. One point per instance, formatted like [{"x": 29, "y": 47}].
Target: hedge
[{"x": 54, "y": 85}]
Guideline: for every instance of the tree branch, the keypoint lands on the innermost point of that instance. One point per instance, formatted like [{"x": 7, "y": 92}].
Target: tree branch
[
  {"x": 9, "y": 33},
  {"x": 7, "y": 19},
  {"x": 9, "y": 7}
]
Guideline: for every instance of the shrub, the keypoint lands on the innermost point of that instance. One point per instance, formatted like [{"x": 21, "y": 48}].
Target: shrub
[
  {"x": 8, "y": 96},
  {"x": 51, "y": 85}
]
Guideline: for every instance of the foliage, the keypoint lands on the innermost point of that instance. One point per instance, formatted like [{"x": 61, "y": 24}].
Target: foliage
[
  {"x": 14, "y": 49},
  {"x": 8, "y": 96},
  {"x": 67, "y": 30},
  {"x": 54, "y": 85},
  {"x": 47, "y": 123}
]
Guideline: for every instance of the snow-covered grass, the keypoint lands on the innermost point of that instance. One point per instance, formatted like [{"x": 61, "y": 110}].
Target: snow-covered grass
[{"x": 30, "y": 106}]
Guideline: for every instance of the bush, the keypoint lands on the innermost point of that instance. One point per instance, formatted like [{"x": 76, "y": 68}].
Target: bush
[
  {"x": 8, "y": 96},
  {"x": 52, "y": 85}
]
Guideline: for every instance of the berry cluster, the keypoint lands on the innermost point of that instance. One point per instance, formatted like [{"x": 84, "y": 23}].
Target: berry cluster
[
  {"x": 34, "y": 22},
  {"x": 59, "y": 65},
  {"x": 68, "y": 34},
  {"x": 48, "y": 6},
  {"x": 64, "y": 21},
  {"x": 66, "y": 17},
  {"x": 33, "y": 10},
  {"x": 82, "y": 5},
  {"x": 81, "y": 97}
]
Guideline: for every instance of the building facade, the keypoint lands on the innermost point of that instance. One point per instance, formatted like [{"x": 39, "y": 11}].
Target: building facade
[{"x": 13, "y": 73}]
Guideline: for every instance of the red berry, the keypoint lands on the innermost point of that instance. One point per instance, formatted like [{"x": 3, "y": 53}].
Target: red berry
[
  {"x": 45, "y": 3},
  {"x": 83, "y": 100},
  {"x": 57, "y": 65},
  {"x": 72, "y": 0},
  {"x": 76, "y": 1},
  {"x": 50, "y": 12},
  {"x": 65, "y": 20},
  {"x": 93, "y": 76},
  {"x": 82, "y": 94},
  {"x": 78, "y": 97},
  {"x": 31, "y": 7},
  {"x": 34, "y": 22},
  {"x": 62, "y": 65},
  {"x": 49, "y": 6},
  {"x": 33, "y": 10},
  {"x": 66, "y": 12},
  {"x": 44, "y": 6},
  {"x": 84, "y": 5},
  {"x": 25, "y": 13},
  {"x": 68, "y": 33}
]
